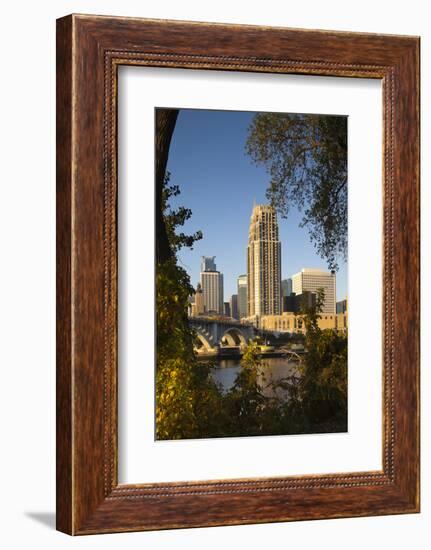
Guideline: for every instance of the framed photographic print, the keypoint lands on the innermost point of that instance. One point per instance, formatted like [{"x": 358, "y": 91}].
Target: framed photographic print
[{"x": 237, "y": 274}]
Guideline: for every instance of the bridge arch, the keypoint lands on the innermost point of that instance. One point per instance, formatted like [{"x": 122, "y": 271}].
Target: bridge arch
[
  {"x": 210, "y": 333},
  {"x": 203, "y": 341},
  {"x": 234, "y": 337}
]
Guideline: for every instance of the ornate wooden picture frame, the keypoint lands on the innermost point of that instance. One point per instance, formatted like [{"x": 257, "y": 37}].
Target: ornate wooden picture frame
[{"x": 89, "y": 51}]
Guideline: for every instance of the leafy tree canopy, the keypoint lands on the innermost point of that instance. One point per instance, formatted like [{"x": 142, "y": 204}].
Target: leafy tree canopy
[
  {"x": 306, "y": 158},
  {"x": 175, "y": 218}
]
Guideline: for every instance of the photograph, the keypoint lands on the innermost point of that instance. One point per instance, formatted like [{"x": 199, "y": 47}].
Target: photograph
[{"x": 251, "y": 273}]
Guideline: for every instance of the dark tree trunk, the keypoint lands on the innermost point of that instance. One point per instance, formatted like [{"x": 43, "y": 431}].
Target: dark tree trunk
[{"x": 165, "y": 124}]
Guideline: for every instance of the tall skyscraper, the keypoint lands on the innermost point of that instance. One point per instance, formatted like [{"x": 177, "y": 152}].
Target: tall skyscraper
[
  {"x": 263, "y": 263},
  {"x": 212, "y": 286},
  {"x": 208, "y": 263},
  {"x": 311, "y": 280},
  {"x": 242, "y": 296}
]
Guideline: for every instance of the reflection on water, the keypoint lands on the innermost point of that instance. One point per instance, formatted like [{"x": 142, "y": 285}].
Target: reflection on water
[{"x": 273, "y": 369}]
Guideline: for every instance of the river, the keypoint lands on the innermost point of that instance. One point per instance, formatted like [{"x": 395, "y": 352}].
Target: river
[{"x": 273, "y": 370}]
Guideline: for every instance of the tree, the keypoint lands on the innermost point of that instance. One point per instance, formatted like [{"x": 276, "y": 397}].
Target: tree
[
  {"x": 306, "y": 158},
  {"x": 251, "y": 412},
  {"x": 322, "y": 387},
  {"x": 176, "y": 389},
  {"x": 174, "y": 392},
  {"x": 176, "y": 218},
  {"x": 188, "y": 401},
  {"x": 165, "y": 125}
]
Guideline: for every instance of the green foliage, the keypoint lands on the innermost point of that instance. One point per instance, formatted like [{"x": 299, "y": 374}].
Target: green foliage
[
  {"x": 188, "y": 401},
  {"x": 176, "y": 218},
  {"x": 176, "y": 388},
  {"x": 174, "y": 372},
  {"x": 319, "y": 393},
  {"x": 306, "y": 158},
  {"x": 245, "y": 401},
  {"x": 322, "y": 389}
]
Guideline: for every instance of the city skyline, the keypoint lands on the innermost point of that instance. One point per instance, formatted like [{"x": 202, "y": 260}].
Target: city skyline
[
  {"x": 215, "y": 176},
  {"x": 308, "y": 280}
]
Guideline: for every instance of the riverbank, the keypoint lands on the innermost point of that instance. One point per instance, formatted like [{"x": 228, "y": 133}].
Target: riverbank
[{"x": 230, "y": 354}]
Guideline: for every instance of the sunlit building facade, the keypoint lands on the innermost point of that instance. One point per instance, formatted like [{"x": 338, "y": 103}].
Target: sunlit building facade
[
  {"x": 311, "y": 280},
  {"x": 263, "y": 263},
  {"x": 294, "y": 324},
  {"x": 212, "y": 287},
  {"x": 197, "y": 307}
]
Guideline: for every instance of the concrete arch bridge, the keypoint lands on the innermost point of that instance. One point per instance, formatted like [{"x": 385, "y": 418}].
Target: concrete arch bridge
[{"x": 215, "y": 333}]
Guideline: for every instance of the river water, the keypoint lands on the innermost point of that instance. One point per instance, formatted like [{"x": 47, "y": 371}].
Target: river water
[{"x": 273, "y": 369}]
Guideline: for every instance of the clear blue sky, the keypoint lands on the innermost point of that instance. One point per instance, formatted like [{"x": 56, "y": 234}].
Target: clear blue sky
[{"x": 219, "y": 182}]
